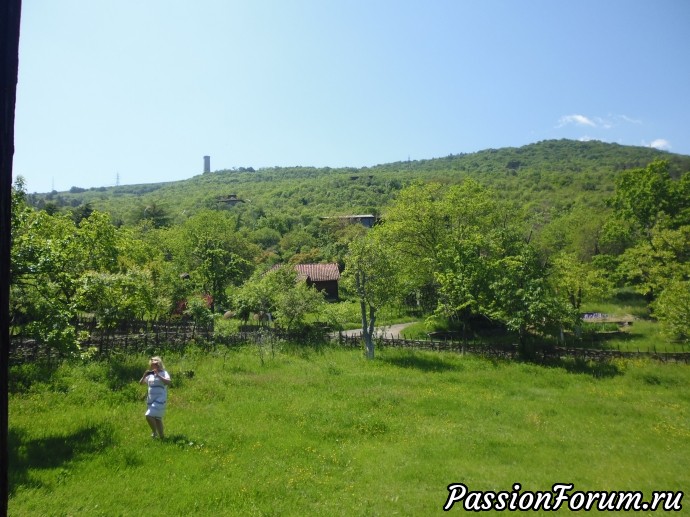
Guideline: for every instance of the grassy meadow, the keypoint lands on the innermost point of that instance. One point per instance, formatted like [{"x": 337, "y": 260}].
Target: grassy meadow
[{"x": 323, "y": 431}]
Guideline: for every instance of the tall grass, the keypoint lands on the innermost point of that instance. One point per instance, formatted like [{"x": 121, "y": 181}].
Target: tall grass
[{"x": 322, "y": 431}]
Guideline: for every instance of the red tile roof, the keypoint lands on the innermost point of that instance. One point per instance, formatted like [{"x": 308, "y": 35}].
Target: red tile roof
[
  {"x": 315, "y": 272},
  {"x": 318, "y": 272}
]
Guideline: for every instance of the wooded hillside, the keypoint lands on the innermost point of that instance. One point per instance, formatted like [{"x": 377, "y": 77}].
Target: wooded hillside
[{"x": 554, "y": 173}]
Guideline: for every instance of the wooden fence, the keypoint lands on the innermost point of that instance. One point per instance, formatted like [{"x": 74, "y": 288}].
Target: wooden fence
[
  {"x": 176, "y": 335},
  {"x": 152, "y": 337},
  {"x": 126, "y": 336},
  {"x": 512, "y": 351}
]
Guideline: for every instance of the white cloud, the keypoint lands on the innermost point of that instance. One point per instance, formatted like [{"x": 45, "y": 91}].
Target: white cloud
[
  {"x": 608, "y": 122},
  {"x": 579, "y": 120},
  {"x": 629, "y": 120},
  {"x": 660, "y": 143}
]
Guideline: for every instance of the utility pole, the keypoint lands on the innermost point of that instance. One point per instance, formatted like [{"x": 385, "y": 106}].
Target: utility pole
[{"x": 10, "y": 16}]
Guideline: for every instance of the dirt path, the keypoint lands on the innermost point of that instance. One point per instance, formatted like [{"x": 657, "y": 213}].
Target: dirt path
[{"x": 391, "y": 331}]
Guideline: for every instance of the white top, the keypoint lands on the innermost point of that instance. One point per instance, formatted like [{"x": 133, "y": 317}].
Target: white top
[{"x": 158, "y": 391}]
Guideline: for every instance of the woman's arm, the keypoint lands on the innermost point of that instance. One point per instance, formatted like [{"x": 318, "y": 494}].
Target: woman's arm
[
  {"x": 163, "y": 376},
  {"x": 143, "y": 378}
]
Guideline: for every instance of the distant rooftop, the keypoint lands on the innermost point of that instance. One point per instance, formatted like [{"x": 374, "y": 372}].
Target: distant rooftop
[
  {"x": 318, "y": 272},
  {"x": 315, "y": 272}
]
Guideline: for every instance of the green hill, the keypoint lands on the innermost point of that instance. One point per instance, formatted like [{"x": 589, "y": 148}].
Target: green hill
[{"x": 554, "y": 173}]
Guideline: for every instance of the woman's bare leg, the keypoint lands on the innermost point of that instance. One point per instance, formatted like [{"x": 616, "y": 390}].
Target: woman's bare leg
[
  {"x": 159, "y": 427},
  {"x": 152, "y": 424}
]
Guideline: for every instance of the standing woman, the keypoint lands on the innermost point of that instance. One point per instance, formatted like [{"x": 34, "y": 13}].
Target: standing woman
[{"x": 158, "y": 380}]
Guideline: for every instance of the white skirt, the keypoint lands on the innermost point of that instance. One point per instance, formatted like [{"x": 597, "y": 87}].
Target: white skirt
[{"x": 155, "y": 409}]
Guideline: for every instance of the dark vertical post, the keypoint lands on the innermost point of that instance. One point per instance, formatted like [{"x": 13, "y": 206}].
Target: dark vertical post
[{"x": 10, "y": 15}]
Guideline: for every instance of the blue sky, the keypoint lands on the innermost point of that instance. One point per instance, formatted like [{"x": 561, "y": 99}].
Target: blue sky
[{"x": 142, "y": 90}]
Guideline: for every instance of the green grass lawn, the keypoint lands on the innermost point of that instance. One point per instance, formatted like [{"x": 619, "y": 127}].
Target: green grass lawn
[{"x": 326, "y": 432}]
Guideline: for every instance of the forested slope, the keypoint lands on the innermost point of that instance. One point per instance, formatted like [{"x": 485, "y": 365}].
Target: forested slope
[{"x": 548, "y": 173}]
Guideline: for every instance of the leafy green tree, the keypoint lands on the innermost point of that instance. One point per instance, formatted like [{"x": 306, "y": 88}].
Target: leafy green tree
[
  {"x": 682, "y": 198},
  {"x": 113, "y": 297},
  {"x": 578, "y": 281},
  {"x": 199, "y": 311},
  {"x": 672, "y": 309},
  {"x": 296, "y": 241},
  {"x": 98, "y": 243},
  {"x": 335, "y": 236},
  {"x": 464, "y": 278},
  {"x": 212, "y": 253},
  {"x": 413, "y": 227},
  {"x": 337, "y": 315},
  {"x": 46, "y": 263},
  {"x": 522, "y": 298},
  {"x": 371, "y": 277},
  {"x": 280, "y": 293},
  {"x": 575, "y": 282},
  {"x": 82, "y": 212},
  {"x": 580, "y": 230},
  {"x": 643, "y": 195},
  {"x": 456, "y": 243},
  {"x": 246, "y": 300},
  {"x": 295, "y": 304},
  {"x": 265, "y": 237},
  {"x": 657, "y": 209},
  {"x": 652, "y": 264},
  {"x": 61, "y": 269},
  {"x": 156, "y": 213}
]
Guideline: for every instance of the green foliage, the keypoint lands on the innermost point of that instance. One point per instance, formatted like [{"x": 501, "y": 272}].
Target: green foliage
[
  {"x": 114, "y": 297},
  {"x": 672, "y": 308},
  {"x": 643, "y": 194},
  {"x": 342, "y": 315},
  {"x": 49, "y": 254},
  {"x": 656, "y": 207},
  {"x": 294, "y": 304},
  {"x": 522, "y": 298},
  {"x": 61, "y": 268},
  {"x": 537, "y": 176},
  {"x": 466, "y": 251},
  {"x": 154, "y": 213},
  {"x": 278, "y": 292},
  {"x": 580, "y": 229},
  {"x": 578, "y": 281},
  {"x": 371, "y": 278},
  {"x": 206, "y": 248},
  {"x": 198, "y": 310},
  {"x": 473, "y": 235},
  {"x": 256, "y": 294},
  {"x": 654, "y": 262}
]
